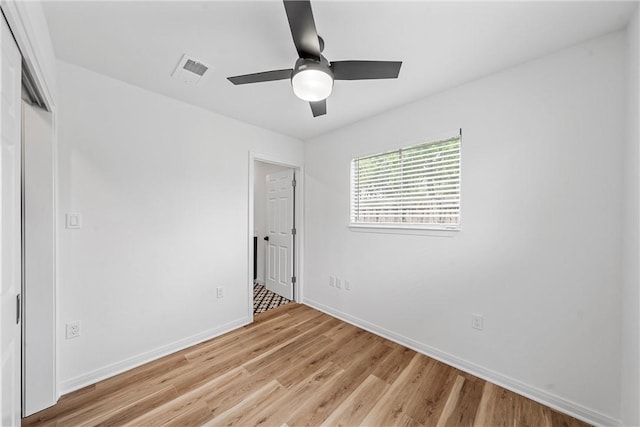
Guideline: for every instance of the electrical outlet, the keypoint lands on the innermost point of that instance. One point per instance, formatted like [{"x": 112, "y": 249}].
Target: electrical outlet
[
  {"x": 73, "y": 329},
  {"x": 338, "y": 283},
  {"x": 332, "y": 281},
  {"x": 347, "y": 285},
  {"x": 220, "y": 292},
  {"x": 477, "y": 322}
]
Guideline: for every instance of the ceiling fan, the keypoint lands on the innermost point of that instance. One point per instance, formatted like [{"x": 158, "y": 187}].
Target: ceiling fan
[{"x": 313, "y": 75}]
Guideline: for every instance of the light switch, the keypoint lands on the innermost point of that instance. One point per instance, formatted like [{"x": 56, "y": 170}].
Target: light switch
[{"x": 74, "y": 220}]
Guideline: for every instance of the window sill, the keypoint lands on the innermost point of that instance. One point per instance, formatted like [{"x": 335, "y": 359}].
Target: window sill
[{"x": 404, "y": 229}]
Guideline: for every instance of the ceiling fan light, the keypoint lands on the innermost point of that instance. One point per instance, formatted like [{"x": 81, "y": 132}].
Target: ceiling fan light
[{"x": 312, "y": 84}]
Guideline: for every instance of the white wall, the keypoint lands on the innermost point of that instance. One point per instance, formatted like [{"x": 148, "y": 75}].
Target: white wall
[
  {"x": 631, "y": 239},
  {"x": 261, "y": 171},
  {"x": 162, "y": 187},
  {"x": 539, "y": 253}
]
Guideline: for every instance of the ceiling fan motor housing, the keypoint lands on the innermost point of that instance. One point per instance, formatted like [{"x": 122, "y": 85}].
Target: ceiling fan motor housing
[{"x": 312, "y": 80}]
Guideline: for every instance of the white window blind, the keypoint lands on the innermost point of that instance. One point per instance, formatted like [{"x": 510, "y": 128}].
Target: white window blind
[{"x": 418, "y": 185}]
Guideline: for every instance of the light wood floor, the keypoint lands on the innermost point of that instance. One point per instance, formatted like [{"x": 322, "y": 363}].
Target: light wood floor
[{"x": 297, "y": 366}]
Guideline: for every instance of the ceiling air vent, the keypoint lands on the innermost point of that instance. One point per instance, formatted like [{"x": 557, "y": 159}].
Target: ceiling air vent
[{"x": 190, "y": 70}]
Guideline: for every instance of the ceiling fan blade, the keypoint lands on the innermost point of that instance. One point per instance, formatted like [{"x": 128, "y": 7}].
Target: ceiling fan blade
[
  {"x": 303, "y": 28},
  {"x": 319, "y": 108},
  {"x": 266, "y": 76},
  {"x": 363, "y": 70}
]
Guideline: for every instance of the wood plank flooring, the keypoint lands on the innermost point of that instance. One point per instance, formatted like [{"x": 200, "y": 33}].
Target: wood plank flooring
[{"x": 296, "y": 366}]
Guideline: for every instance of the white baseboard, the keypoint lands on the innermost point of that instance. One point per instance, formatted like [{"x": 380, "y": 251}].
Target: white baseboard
[
  {"x": 135, "y": 361},
  {"x": 556, "y": 402}
]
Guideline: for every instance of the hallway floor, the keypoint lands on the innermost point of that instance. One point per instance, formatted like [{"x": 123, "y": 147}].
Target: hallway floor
[{"x": 264, "y": 299}]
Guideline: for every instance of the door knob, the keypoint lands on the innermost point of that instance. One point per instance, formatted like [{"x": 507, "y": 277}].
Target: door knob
[{"x": 266, "y": 238}]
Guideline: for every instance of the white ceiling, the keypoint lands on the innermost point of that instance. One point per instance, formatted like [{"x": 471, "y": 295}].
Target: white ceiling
[{"x": 442, "y": 44}]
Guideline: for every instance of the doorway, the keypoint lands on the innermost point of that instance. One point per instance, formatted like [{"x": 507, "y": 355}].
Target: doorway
[{"x": 273, "y": 228}]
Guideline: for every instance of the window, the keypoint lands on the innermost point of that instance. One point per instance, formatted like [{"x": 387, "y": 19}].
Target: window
[{"x": 413, "y": 187}]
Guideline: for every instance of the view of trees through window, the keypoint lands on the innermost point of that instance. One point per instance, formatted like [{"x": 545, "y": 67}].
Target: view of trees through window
[{"x": 414, "y": 185}]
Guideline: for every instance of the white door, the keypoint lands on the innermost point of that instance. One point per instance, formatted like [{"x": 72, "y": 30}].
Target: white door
[
  {"x": 39, "y": 356},
  {"x": 10, "y": 234},
  {"x": 279, "y": 268}
]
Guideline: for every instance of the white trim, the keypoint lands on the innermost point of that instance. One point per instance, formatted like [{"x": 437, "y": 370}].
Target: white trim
[
  {"x": 22, "y": 29},
  {"x": 281, "y": 160},
  {"x": 56, "y": 251},
  {"x": 418, "y": 231},
  {"x": 551, "y": 400},
  {"x": 386, "y": 226},
  {"x": 135, "y": 361}
]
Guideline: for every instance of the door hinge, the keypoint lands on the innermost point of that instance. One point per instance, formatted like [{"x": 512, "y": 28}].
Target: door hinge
[
  {"x": 293, "y": 279},
  {"x": 293, "y": 231},
  {"x": 293, "y": 183}
]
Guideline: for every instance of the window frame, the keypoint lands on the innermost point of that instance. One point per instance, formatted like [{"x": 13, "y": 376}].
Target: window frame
[{"x": 434, "y": 229}]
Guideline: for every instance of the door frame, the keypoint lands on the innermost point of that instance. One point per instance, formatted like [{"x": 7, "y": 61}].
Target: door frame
[
  {"x": 21, "y": 22},
  {"x": 298, "y": 255}
]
